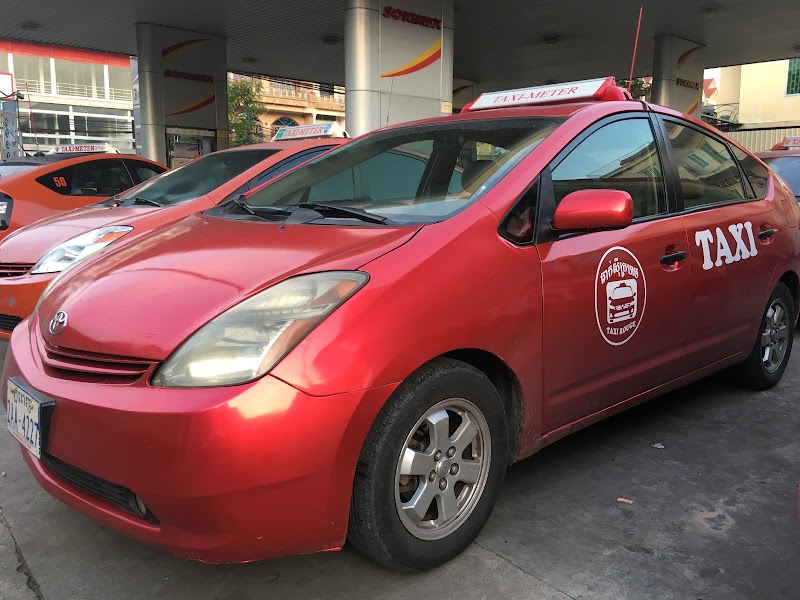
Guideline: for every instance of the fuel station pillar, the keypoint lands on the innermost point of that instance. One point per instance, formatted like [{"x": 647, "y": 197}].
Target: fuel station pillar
[
  {"x": 678, "y": 74},
  {"x": 179, "y": 94},
  {"x": 398, "y": 62}
]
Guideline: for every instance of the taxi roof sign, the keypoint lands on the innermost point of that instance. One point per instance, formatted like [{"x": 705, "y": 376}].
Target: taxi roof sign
[
  {"x": 83, "y": 148},
  {"x": 319, "y": 130},
  {"x": 604, "y": 88},
  {"x": 791, "y": 141}
]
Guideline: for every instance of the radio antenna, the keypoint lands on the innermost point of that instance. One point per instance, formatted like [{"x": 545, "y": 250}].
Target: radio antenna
[
  {"x": 389, "y": 103},
  {"x": 635, "y": 47}
]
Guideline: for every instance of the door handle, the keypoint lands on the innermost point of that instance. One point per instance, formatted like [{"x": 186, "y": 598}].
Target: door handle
[
  {"x": 669, "y": 259},
  {"x": 767, "y": 233}
]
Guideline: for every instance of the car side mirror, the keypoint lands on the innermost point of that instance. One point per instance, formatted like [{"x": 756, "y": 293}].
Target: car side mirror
[{"x": 594, "y": 209}]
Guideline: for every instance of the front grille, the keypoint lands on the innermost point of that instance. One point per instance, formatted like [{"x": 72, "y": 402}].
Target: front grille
[
  {"x": 14, "y": 269},
  {"x": 92, "y": 367},
  {"x": 8, "y": 322},
  {"x": 118, "y": 495}
]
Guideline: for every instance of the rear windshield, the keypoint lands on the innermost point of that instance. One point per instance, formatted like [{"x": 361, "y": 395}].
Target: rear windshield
[
  {"x": 415, "y": 174},
  {"x": 8, "y": 170},
  {"x": 788, "y": 167},
  {"x": 196, "y": 178}
]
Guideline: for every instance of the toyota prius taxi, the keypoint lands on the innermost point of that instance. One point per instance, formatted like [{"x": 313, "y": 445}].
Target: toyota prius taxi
[
  {"x": 357, "y": 350},
  {"x": 33, "y": 256}
]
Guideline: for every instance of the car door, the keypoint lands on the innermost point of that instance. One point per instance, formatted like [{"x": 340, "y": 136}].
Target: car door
[
  {"x": 615, "y": 303},
  {"x": 732, "y": 247}
]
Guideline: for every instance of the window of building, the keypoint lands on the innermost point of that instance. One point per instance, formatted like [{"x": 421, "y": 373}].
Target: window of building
[
  {"x": 321, "y": 117},
  {"x": 284, "y": 122},
  {"x": 283, "y": 85},
  {"x": 33, "y": 71},
  {"x": 619, "y": 156},
  {"x": 793, "y": 79},
  {"x": 716, "y": 181},
  {"x": 119, "y": 82},
  {"x": 79, "y": 79},
  {"x": 326, "y": 90}
]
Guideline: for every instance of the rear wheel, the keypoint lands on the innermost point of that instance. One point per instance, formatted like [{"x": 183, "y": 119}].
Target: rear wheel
[
  {"x": 430, "y": 468},
  {"x": 770, "y": 355}
]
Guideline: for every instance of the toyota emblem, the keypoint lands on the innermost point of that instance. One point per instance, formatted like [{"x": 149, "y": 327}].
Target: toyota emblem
[{"x": 58, "y": 322}]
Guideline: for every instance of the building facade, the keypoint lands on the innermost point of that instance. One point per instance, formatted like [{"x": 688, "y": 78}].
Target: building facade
[
  {"x": 288, "y": 102},
  {"x": 70, "y": 96},
  {"x": 757, "y": 104}
]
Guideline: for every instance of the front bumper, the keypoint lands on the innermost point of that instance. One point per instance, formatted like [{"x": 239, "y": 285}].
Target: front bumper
[
  {"x": 18, "y": 298},
  {"x": 230, "y": 474}
]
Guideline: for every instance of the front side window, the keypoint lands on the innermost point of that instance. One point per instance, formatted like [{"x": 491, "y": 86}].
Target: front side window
[
  {"x": 416, "y": 174},
  {"x": 143, "y": 170},
  {"x": 754, "y": 171},
  {"x": 619, "y": 156},
  {"x": 196, "y": 177},
  {"x": 708, "y": 173}
]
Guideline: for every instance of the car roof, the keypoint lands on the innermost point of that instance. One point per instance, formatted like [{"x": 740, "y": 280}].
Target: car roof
[
  {"x": 69, "y": 159},
  {"x": 293, "y": 145},
  {"x": 779, "y": 154}
]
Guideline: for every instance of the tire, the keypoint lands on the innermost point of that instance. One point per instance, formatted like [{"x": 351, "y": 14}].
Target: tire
[
  {"x": 383, "y": 526},
  {"x": 777, "y": 332}
]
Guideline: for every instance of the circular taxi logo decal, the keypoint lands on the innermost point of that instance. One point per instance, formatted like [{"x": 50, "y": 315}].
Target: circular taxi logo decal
[{"x": 620, "y": 295}]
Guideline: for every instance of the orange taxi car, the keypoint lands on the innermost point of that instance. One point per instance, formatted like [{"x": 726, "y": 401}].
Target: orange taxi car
[
  {"x": 35, "y": 187},
  {"x": 32, "y": 257}
]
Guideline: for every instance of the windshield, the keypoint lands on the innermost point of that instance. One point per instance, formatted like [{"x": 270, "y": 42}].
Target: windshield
[
  {"x": 415, "y": 174},
  {"x": 196, "y": 178},
  {"x": 7, "y": 170},
  {"x": 788, "y": 167}
]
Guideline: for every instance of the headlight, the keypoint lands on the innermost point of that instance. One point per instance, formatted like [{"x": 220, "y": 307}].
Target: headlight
[
  {"x": 250, "y": 338},
  {"x": 72, "y": 251}
]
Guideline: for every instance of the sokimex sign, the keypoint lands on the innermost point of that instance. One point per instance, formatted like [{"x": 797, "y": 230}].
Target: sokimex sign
[{"x": 409, "y": 17}]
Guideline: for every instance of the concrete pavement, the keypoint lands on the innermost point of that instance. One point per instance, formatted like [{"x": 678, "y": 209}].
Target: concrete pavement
[{"x": 714, "y": 516}]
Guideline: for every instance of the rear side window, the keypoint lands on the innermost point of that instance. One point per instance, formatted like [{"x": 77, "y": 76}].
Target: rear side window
[
  {"x": 619, "y": 156},
  {"x": 755, "y": 172},
  {"x": 59, "y": 181},
  {"x": 708, "y": 173},
  {"x": 788, "y": 167}
]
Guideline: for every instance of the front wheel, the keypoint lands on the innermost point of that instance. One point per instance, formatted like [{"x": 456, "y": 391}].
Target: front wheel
[
  {"x": 430, "y": 469},
  {"x": 770, "y": 355}
]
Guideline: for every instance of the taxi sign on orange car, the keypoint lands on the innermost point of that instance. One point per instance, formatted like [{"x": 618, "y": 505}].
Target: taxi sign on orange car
[
  {"x": 297, "y": 132},
  {"x": 84, "y": 148},
  {"x": 604, "y": 88}
]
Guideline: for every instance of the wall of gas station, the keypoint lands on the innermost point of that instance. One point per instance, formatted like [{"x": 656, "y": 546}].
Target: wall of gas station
[{"x": 398, "y": 67}]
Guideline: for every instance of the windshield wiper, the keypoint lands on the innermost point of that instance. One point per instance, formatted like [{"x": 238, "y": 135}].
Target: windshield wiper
[
  {"x": 258, "y": 211},
  {"x": 333, "y": 210},
  {"x": 142, "y": 200}
]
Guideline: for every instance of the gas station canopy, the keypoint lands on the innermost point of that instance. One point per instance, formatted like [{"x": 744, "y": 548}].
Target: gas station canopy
[{"x": 499, "y": 43}]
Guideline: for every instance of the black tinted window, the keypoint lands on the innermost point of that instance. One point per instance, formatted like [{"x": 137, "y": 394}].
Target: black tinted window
[
  {"x": 518, "y": 225},
  {"x": 100, "y": 178},
  {"x": 287, "y": 165},
  {"x": 198, "y": 177},
  {"x": 707, "y": 171},
  {"x": 619, "y": 156},
  {"x": 395, "y": 174},
  {"x": 59, "y": 181}
]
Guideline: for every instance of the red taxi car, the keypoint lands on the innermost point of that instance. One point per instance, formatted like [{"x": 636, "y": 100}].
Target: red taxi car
[
  {"x": 360, "y": 348},
  {"x": 34, "y": 255}
]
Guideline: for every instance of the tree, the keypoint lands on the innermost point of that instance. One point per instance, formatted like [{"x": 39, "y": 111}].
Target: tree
[
  {"x": 639, "y": 88},
  {"x": 244, "y": 107}
]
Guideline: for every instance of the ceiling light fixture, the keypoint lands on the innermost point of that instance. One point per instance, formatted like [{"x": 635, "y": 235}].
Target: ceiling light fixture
[
  {"x": 331, "y": 40},
  {"x": 551, "y": 39},
  {"x": 30, "y": 25},
  {"x": 249, "y": 59}
]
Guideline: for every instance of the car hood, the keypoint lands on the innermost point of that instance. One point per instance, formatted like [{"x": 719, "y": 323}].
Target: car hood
[
  {"x": 146, "y": 297},
  {"x": 28, "y": 245}
]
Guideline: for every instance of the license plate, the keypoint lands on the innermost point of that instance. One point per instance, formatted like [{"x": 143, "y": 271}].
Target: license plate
[{"x": 24, "y": 417}]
